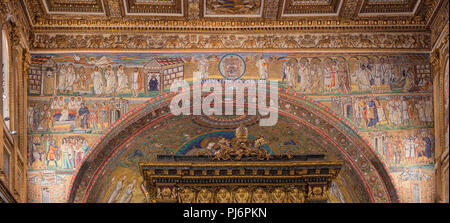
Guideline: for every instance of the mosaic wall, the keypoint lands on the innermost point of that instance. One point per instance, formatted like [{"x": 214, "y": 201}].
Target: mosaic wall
[{"x": 74, "y": 98}]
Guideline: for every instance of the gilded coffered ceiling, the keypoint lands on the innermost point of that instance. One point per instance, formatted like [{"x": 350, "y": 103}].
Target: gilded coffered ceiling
[{"x": 228, "y": 15}]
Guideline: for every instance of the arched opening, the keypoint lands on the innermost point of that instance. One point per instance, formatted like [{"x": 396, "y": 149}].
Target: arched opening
[{"x": 304, "y": 127}]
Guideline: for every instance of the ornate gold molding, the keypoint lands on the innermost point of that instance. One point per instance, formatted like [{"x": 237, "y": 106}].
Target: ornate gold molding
[
  {"x": 275, "y": 181},
  {"x": 233, "y": 41},
  {"x": 4, "y": 10},
  {"x": 239, "y": 194},
  {"x": 439, "y": 22},
  {"x": 435, "y": 62},
  {"x": 439, "y": 57},
  {"x": 12, "y": 14}
]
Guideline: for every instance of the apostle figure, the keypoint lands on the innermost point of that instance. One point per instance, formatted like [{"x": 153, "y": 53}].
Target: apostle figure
[
  {"x": 98, "y": 81},
  {"x": 288, "y": 72},
  {"x": 398, "y": 111},
  {"x": 397, "y": 81},
  {"x": 385, "y": 73},
  {"x": 83, "y": 82},
  {"x": 36, "y": 117},
  {"x": 405, "y": 112},
  {"x": 62, "y": 78},
  {"x": 84, "y": 147},
  {"x": 428, "y": 145},
  {"x": 55, "y": 109},
  {"x": 203, "y": 67},
  {"x": 67, "y": 164},
  {"x": 342, "y": 76},
  {"x": 380, "y": 110},
  {"x": 378, "y": 76},
  {"x": 78, "y": 151},
  {"x": 114, "y": 196},
  {"x": 397, "y": 149},
  {"x": 304, "y": 77},
  {"x": 128, "y": 193},
  {"x": 122, "y": 79},
  {"x": 362, "y": 115},
  {"x": 72, "y": 109},
  {"x": 329, "y": 81},
  {"x": 420, "y": 106},
  {"x": 409, "y": 78},
  {"x": 83, "y": 112},
  {"x": 263, "y": 68},
  {"x": 70, "y": 79},
  {"x": 30, "y": 117},
  {"x": 103, "y": 115},
  {"x": 407, "y": 150},
  {"x": 136, "y": 80},
  {"x": 64, "y": 114},
  {"x": 385, "y": 147},
  {"x": 316, "y": 76},
  {"x": 111, "y": 81}
]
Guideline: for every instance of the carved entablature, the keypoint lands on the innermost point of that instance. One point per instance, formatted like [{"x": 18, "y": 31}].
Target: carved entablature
[
  {"x": 417, "y": 41},
  {"x": 197, "y": 179}
]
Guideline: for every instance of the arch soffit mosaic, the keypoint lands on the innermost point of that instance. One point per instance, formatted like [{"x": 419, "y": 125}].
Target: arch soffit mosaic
[{"x": 369, "y": 167}]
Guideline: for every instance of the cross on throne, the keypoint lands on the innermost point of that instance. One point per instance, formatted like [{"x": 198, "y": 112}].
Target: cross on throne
[{"x": 239, "y": 148}]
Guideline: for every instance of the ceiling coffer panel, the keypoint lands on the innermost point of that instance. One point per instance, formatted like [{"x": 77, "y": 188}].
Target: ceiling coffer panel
[
  {"x": 389, "y": 6},
  {"x": 155, "y": 7},
  {"x": 73, "y": 6},
  {"x": 306, "y": 7}
]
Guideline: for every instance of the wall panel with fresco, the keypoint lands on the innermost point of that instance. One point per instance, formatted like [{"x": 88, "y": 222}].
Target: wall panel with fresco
[{"x": 75, "y": 97}]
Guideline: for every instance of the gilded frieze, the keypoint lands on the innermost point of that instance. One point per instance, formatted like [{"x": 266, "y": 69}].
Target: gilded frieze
[{"x": 233, "y": 41}]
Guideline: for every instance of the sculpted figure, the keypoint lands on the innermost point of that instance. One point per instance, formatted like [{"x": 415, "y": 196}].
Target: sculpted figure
[
  {"x": 295, "y": 195},
  {"x": 259, "y": 196},
  {"x": 186, "y": 195},
  {"x": 278, "y": 195},
  {"x": 223, "y": 196},
  {"x": 204, "y": 196},
  {"x": 241, "y": 195}
]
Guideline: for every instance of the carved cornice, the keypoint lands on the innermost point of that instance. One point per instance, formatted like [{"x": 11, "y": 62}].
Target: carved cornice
[
  {"x": 284, "y": 40},
  {"x": 231, "y": 24}
]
